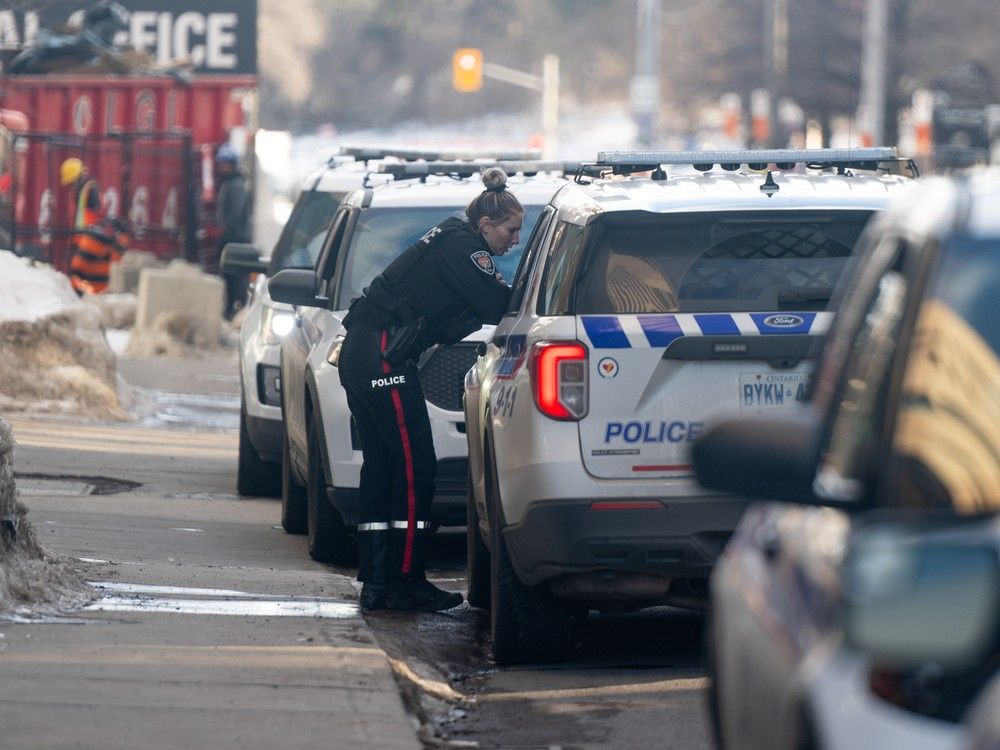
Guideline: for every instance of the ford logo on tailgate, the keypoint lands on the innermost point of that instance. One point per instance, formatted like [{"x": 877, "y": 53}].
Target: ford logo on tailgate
[{"x": 783, "y": 321}]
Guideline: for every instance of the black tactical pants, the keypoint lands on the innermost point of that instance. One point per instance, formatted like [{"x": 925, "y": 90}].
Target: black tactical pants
[{"x": 397, "y": 476}]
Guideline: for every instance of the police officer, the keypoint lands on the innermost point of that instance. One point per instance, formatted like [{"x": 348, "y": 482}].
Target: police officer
[{"x": 439, "y": 290}]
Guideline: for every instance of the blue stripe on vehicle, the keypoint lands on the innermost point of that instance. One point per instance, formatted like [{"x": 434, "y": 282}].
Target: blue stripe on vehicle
[
  {"x": 514, "y": 349},
  {"x": 718, "y": 324},
  {"x": 605, "y": 332},
  {"x": 783, "y": 323},
  {"x": 660, "y": 330}
]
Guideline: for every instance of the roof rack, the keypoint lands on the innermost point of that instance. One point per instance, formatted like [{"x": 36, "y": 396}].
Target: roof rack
[
  {"x": 625, "y": 162},
  {"x": 527, "y": 167},
  {"x": 369, "y": 153}
]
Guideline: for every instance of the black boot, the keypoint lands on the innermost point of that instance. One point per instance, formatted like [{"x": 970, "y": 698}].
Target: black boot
[
  {"x": 420, "y": 595},
  {"x": 373, "y": 596}
]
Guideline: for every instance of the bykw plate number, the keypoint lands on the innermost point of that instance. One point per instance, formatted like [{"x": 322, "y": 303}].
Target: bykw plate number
[{"x": 760, "y": 392}]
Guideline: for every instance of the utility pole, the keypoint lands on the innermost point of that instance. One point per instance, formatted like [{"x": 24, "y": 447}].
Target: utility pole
[
  {"x": 645, "y": 89},
  {"x": 775, "y": 65},
  {"x": 871, "y": 112}
]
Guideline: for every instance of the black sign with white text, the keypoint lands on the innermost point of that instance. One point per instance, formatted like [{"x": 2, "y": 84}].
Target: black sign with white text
[{"x": 216, "y": 36}]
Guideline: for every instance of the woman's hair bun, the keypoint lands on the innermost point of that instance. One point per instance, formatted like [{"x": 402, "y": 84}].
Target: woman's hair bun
[{"x": 494, "y": 178}]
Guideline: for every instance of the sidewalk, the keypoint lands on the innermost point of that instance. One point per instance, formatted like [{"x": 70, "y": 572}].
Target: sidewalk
[{"x": 211, "y": 628}]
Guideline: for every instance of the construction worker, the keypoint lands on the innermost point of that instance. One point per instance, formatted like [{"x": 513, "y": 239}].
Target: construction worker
[{"x": 96, "y": 242}]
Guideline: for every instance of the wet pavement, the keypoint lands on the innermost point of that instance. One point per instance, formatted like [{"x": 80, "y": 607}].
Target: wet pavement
[{"x": 633, "y": 679}]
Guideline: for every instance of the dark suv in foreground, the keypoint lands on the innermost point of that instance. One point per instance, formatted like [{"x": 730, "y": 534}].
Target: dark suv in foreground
[{"x": 865, "y": 612}]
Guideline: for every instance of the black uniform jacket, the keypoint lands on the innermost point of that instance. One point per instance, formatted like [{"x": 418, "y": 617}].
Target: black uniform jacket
[{"x": 448, "y": 278}]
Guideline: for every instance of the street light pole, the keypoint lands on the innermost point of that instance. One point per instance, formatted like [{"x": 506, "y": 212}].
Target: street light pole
[
  {"x": 550, "y": 105},
  {"x": 547, "y": 84}
]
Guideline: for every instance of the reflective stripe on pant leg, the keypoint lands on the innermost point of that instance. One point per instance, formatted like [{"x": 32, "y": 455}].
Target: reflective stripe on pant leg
[{"x": 411, "y": 495}]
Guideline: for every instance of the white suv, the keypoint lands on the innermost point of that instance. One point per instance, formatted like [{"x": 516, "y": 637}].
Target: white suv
[
  {"x": 267, "y": 321},
  {"x": 323, "y": 453},
  {"x": 644, "y": 306}
]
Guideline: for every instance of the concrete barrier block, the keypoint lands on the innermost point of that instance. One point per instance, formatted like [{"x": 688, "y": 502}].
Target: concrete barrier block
[
  {"x": 182, "y": 288},
  {"x": 124, "y": 275}
]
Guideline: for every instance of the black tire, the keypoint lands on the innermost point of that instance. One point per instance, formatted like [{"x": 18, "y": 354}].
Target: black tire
[
  {"x": 712, "y": 698},
  {"x": 529, "y": 624},
  {"x": 330, "y": 540},
  {"x": 254, "y": 476},
  {"x": 478, "y": 556},
  {"x": 294, "y": 518}
]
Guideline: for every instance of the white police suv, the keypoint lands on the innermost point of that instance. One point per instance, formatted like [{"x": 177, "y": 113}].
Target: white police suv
[
  {"x": 322, "y": 449},
  {"x": 679, "y": 287},
  {"x": 267, "y": 321}
]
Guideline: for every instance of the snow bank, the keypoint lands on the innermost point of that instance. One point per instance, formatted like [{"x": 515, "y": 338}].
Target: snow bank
[
  {"x": 54, "y": 356},
  {"x": 32, "y": 581},
  {"x": 31, "y": 291}
]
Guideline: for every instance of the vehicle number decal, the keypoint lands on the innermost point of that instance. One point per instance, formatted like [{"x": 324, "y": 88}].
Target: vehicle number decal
[{"x": 503, "y": 401}]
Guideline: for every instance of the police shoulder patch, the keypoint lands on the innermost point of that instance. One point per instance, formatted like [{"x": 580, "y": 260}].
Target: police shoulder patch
[{"x": 484, "y": 262}]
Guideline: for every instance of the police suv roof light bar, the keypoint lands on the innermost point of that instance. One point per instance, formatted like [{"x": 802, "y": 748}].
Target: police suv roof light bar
[
  {"x": 638, "y": 161},
  {"x": 468, "y": 168},
  {"x": 366, "y": 153}
]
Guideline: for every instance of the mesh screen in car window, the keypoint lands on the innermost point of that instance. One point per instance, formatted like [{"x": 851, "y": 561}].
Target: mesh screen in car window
[{"x": 721, "y": 261}]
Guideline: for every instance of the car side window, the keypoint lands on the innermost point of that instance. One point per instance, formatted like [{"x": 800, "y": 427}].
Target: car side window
[
  {"x": 560, "y": 269},
  {"x": 328, "y": 258},
  {"x": 850, "y": 450},
  {"x": 520, "y": 285},
  {"x": 947, "y": 423}
]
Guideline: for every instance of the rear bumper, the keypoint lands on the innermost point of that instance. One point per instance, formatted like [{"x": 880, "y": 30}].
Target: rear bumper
[
  {"x": 681, "y": 539},
  {"x": 447, "y": 509}
]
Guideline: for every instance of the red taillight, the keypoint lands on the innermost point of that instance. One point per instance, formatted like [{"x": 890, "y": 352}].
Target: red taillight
[{"x": 559, "y": 379}]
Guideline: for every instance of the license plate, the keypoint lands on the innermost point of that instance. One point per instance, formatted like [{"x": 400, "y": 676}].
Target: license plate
[{"x": 766, "y": 392}]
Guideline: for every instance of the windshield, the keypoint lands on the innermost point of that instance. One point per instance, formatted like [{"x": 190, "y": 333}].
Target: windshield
[
  {"x": 302, "y": 237},
  {"x": 639, "y": 262},
  {"x": 382, "y": 234}
]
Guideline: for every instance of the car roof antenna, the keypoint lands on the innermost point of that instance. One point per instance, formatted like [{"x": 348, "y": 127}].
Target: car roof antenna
[{"x": 770, "y": 187}]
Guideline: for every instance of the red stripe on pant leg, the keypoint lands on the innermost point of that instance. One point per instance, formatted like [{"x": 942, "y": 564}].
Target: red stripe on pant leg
[{"x": 411, "y": 496}]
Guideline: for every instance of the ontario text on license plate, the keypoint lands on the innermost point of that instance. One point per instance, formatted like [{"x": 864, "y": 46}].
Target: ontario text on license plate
[{"x": 763, "y": 392}]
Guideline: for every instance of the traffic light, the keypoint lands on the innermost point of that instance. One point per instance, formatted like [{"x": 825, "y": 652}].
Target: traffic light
[{"x": 467, "y": 69}]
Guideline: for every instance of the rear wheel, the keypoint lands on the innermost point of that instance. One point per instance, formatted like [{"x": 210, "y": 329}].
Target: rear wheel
[
  {"x": 529, "y": 624},
  {"x": 714, "y": 716},
  {"x": 478, "y": 556},
  {"x": 254, "y": 476},
  {"x": 293, "y": 497},
  {"x": 330, "y": 540}
]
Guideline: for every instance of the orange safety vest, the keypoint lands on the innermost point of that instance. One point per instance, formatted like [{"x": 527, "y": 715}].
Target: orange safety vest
[{"x": 96, "y": 247}]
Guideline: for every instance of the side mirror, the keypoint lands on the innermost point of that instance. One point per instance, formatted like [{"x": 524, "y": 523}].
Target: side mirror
[
  {"x": 239, "y": 257},
  {"x": 912, "y": 598},
  {"x": 296, "y": 286},
  {"x": 765, "y": 458}
]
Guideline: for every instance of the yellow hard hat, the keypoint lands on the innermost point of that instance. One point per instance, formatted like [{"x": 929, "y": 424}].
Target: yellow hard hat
[{"x": 70, "y": 171}]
